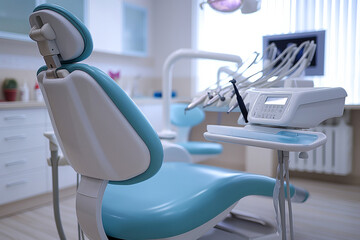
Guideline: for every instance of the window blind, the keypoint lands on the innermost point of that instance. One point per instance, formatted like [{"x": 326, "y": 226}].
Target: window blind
[{"x": 241, "y": 34}]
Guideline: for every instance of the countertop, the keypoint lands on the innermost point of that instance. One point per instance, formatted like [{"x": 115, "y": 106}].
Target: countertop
[
  {"x": 138, "y": 101},
  {"x": 33, "y": 104},
  {"x": 18, "y": 104}
]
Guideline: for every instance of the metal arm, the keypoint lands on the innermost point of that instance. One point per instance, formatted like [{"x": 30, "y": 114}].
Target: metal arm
[
  {"x": 54, "y": 161},
  {"x": 166, "y": 132}
]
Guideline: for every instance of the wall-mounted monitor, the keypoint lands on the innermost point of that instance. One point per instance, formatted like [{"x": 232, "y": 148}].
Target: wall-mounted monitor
[{"x": 316, "y": 67}]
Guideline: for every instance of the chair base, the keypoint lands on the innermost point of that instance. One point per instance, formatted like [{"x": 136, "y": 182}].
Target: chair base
[{"x": 237, "y": 226}]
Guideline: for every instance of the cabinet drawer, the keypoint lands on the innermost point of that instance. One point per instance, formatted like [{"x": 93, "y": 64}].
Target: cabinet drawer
[
  {"x": 11, "y": 163},
  {"x": 20, "y": 138},
  {"x": 22, "y": 186},
  {"x": 21, "y": 117}
]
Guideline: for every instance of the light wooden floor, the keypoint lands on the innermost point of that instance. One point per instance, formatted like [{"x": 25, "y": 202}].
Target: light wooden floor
[{"x": 331, "y": 213}]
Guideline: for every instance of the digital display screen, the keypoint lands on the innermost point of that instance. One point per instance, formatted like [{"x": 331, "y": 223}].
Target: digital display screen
[{"x": 276, "y": 100}]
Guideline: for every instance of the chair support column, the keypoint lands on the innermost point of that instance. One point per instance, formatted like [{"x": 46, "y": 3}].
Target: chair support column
[{"x": 88, "y": 207}]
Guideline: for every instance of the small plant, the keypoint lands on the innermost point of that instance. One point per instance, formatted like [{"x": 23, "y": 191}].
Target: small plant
[
  {"x": 10, "y": 83},
  {"x": 9, "y": 88}
]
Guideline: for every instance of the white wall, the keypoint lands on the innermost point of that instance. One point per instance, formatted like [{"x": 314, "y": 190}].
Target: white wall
[
  {"x": 173, "y": 29},
  {"x": 19, "y": 60}
]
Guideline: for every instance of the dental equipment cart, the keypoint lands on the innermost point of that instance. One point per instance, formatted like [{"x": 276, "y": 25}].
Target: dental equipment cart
[{"x": 272, "y": 113}]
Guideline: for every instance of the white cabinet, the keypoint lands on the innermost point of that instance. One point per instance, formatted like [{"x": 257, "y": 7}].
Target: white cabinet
[
  {"x": 116, "y": 26},
  {"x": 23, "y": 185},
  {"x": 23, "y": 170},
  {"x": 134, "y": 30},
  {"x": 14, "y": 20},
  {"x": 23, "y": 151},
  {"x": 14, "y": 15},
  {"x": 119, "y": 26}
]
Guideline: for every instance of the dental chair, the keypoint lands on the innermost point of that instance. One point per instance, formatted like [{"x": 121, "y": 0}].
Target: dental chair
[
  {"x": 125, "y": 192},
  {"x": 184, "y": 121}
]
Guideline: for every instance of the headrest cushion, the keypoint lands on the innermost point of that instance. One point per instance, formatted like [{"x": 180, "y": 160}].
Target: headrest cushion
[{"x": 72, "y": 37}]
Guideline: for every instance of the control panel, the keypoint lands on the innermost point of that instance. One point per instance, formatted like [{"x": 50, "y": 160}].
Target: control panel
[
  {"x": 270, "y": 106},
  {"x": 293, "y": 107}
]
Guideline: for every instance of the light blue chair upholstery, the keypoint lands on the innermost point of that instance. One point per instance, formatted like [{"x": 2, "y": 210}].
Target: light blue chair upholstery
[
  {"x": 166, "y": 199},
  {"x": 178, "y": 198},
  {"x": 184, "y": 121}
]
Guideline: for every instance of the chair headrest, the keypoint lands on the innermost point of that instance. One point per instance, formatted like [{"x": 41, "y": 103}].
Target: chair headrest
[{"x": 72, "y": 38}]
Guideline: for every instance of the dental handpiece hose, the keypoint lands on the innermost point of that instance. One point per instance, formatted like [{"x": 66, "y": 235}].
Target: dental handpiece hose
[{"x": 55, "y": 184}]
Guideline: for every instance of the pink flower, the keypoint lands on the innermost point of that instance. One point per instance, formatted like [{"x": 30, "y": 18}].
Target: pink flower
[{"x": 114, "y": 75}]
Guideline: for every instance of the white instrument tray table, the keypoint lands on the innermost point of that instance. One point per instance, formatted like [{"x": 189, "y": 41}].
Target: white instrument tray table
[{"x": 266, "y": 137}]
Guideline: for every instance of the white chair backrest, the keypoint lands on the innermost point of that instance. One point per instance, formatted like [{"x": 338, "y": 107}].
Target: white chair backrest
[{"x": 101, "y": 131}]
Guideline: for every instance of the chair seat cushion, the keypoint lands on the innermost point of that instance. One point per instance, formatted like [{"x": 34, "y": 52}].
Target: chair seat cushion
[
  {"x": 202, "y": 147},
  {"x": 179, "y": 198}
]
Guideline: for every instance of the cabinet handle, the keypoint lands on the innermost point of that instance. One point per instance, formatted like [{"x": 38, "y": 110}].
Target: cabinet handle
[
  {"x": 14, "y": 138},
  {"x": 15, "y": 117},
  {"x": 14, "y": 163},
  {"x": 13, "y": 184}
]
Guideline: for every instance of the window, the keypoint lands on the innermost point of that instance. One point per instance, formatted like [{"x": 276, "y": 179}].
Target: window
[{"x": 242, "y": 34}]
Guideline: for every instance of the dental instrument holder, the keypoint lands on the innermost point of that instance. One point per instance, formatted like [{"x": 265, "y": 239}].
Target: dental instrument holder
[
  {"x": 166, "y": 132},
  {"x": 240, "y": 101},
  {"x": 271, "y": 113}
]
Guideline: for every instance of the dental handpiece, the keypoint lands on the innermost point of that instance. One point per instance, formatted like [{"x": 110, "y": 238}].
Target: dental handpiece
[
  {"x": 233, "y": 107},
  {"x": 222, "y": 98},
  {"x": 211, "y": 101},
  {"x": 196, "y": 102}
]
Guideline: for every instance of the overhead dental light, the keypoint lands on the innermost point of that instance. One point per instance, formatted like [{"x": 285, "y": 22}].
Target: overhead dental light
[{"x": 246, "y": 6}]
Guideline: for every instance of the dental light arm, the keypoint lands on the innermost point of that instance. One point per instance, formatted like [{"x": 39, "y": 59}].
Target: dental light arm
[{"x": 166, "y": 132}]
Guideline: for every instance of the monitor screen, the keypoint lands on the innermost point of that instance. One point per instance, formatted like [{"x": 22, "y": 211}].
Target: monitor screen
[
  {"x": 281, "y": 41},
  {"x": 275, "y": 100}
]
